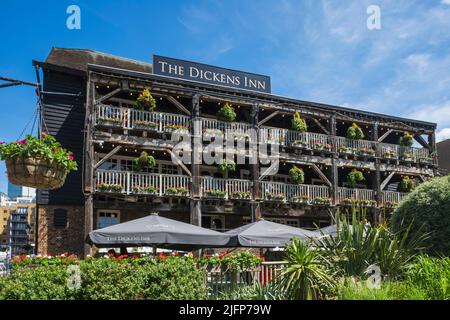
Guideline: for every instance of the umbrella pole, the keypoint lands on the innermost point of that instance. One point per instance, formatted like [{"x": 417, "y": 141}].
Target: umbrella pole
[{"x": 154, "y": 251}]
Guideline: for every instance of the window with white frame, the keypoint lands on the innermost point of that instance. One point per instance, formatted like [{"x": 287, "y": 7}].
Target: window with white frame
[{"x": 169, "y": 169}]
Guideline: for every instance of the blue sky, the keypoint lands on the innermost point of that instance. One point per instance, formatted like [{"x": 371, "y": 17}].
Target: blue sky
[{"x": 313, "y": 50}]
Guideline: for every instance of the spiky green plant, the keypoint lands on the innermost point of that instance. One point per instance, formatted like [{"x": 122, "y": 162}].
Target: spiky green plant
[{"x": 306, "y": 275}]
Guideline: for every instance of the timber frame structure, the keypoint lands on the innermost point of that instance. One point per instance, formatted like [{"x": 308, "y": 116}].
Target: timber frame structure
[{"x": 115, "y": 132}]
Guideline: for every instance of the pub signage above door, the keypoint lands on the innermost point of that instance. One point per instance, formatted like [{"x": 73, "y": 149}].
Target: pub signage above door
[{"x": 204, "y": 73}]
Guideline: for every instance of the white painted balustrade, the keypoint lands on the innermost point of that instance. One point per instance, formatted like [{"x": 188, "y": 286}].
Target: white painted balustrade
[
  {"x": 292, "y": 192},
  {"x": 230, "y": 130},
  {"x": 392, "y": 197},
  {"x": 230, "y": 188},
  {"x": 355, "y": 194},
  {"x": 344, "y": 145}
]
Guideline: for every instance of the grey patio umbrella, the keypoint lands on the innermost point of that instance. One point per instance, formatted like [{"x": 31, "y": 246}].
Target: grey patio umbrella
[
  {"x": 266, "y": 234},
  {"x": 154, "y": 230}
]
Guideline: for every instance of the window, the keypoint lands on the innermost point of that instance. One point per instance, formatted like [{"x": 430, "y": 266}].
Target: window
[
  {"x": 169, "y": 169},
  {"x": 107, "y": 218},
  {"x": 126, "y": 165},
  {"x": 110, "y": 164},
  {"x": 60, "y": 218},
  {"x": 288, "y": 222}
]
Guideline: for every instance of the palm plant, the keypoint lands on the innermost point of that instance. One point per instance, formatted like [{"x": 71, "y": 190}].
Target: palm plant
[{"x": 306, "y": 275}]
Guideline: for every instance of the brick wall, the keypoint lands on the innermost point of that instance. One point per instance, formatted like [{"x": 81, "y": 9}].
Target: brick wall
[{"x": 57, "y": 240}]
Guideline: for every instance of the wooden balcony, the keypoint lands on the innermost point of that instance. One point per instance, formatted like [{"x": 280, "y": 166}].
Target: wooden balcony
[
  {"x": 125, "y": 182},
  {"x": 407, "y": 154},
  {"x": 391, "y": 198},
  {"x": 303, "y": 194},
  {"x": 358, "y": 197},
  {"x": 229, "y": 130},
  {"x": 128, "y": 118},
  {"x": 363, "y": 148},
  {"x": 225, "y": 188},
  {"x": 304, "y": 140}
]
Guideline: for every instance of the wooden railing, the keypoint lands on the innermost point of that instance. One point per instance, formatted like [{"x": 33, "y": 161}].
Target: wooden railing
[
  {"x": 412, "y": 154},
  {"x": 128, "y": 118},
  {"x": 279, "y": 191},
  {"x": 221, "y": 281},
  {"x": 225, "y": 188},
  {"x": 229, "y": 130},
  {"x": 126, "y": 182},
  {"x": 392, "y": 197},
  {"x": 349, "y": 194},
  {"x": 356, "y": 147}
]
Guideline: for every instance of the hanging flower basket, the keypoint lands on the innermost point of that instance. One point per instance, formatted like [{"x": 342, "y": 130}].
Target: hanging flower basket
[{"x": 37, "y": 163}]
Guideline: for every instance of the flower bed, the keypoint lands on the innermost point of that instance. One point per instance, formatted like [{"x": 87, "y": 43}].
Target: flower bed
[
  {"x": 301, "y": 199},
  {"x": 110, "y": 121},
  {"x": 241, "y": 195},
  {"x": 146, "y": 190},
  {"x": 365, "y": 152},
  {"x": 322, "y": 146},
  {"x": 109, "y": 187},
  {"x": 215, "y": 193},
  {"x": 346, "y": 150},
  {"x": 300, "y": 144},
  {"x": 177, "y": 191},
  {"x": 146, "y": 125},
  {"x": 276, "y": 196},
  {"x": 177, "y": 127},
  {"x": 322, "y": 201},
  {"x": 357, "y": 202}
]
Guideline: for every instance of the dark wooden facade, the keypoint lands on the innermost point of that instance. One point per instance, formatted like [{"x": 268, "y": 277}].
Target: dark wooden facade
[{"x": 105, "y": 131}]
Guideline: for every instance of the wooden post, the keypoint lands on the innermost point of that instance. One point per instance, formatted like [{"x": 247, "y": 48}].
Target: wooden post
[
  {"x": 256, "y": 213},
  {"x": 195, "y": 203},
  {"x": 334, "y": 179}
]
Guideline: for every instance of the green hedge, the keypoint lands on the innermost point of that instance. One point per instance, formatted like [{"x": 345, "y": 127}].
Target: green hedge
[
  {"x": 428, "y": 208},
  {"x": 129, "y": 279}
]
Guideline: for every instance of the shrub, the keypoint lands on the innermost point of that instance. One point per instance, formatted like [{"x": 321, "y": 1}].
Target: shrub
[
  {"x": 305, "y": 276},
  {"x": 271, "y": 291},
  {"x": 427, "y": 209},
  {"x": 226, "y": 113},
  {"x": 227, "y": 166},
  {"x": 297, "y": 175},
  {"x": 144, "y": 161},
  {"x": 354, "y": 132},
  {"x": 355, "y": 176},
  {"x": 145, "y": 101},
  {"x": 298, "y": 123},
  {"x": 101, "y": 279},
  {"x": 432, "y": 276}
]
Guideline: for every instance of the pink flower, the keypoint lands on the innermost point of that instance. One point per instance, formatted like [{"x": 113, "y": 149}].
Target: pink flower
[
  {"x": 22, "y": 141},
  {"x": 44, "y": 134},
  {"x": 70, "y": 157},
  {"x": 2, "y": 142}
]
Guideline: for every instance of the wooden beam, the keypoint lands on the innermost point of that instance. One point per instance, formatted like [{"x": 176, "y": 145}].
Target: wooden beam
[
  {"x": 105, "y": 158},
  {"x": 108, "y": 95},
  {"x": 177, "y": 104},
  {"x": 179, "y": 162},
  {"x": 321, "y": 175},
  {"x": 270, "y": 116},
  {"x": 422, "y": 142},
  {"x": 385, "y": 135},
  {"x": 327, "y": 132},
  {"x": 386, "y": 181}
]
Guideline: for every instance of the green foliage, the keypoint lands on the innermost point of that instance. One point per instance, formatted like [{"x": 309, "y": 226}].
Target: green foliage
[
  {"x": 354, "y": 132},
  {"x": 227, "y": 166},
  {"x": 298, "y": 123},
  {"x": 406, "y": 185},
  {"x": 427, "y": 209},
  {"x": 432, "y": 276},
  {"x": 270, "y": 291},
  {"x": 305, "y": 276},
  {"x": 358, "y": 290},
  {"x": 226, "y": 113},
  {"x": 297, "y": 175},
  {"x": 45, "y": 147},
  {"x": 242, "y": 261},
  {"x": 406, "y": 140},
  {"x": 145, "y": 101},
  {"x": 118, "y": 278},
  {"x": 354, "y": 177},
  {"x": 144, "y": 161},
  {"x": 357, "y": 245}
]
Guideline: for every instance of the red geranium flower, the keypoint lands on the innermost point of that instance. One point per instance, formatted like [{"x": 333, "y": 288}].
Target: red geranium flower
[{"x": 70, "y": 157}]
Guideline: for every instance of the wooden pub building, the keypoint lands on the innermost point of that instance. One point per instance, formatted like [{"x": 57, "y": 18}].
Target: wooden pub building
[{"x": 89, "y": 105}]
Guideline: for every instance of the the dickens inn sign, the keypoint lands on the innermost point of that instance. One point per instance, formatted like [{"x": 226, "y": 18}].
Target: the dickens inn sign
[{"x": 198, "y": 72}]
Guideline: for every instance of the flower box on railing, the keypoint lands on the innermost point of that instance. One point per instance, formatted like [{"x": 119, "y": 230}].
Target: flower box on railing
[
  {"x": 107, "y": 187},
  {"x": 318, "y": 146},
  {"x": 322, "y": 201},
  {"x": 346, "y": 150},
  {"x": 176, "y": 127},
  {"x": 389, "y": 204},
  {"x": 145, "y": 125},
  {"x": 107, "y": 121},
  {"x": 275, "y": 197},
  {"x": 146, "y": 190},
  {"x": 303, "y": 199},
  {"x": 241, "y": 195},
  {"x": 177, "y": 191},
  {"x": 406, "y": 154},
  {"x": 216, "y": 194},
  {"x": 426, "y": 160},
  {"x": 236, "y": 135},
  {"x": 389, "y": 154},
  {"x": 368, "y": 152},
  {"x": 300, "y": 144}
]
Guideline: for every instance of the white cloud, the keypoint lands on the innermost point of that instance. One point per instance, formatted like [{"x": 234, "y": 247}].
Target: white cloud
[
  {"x": 447, "y": 2},
  {"x": 443, "y": 134}
]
